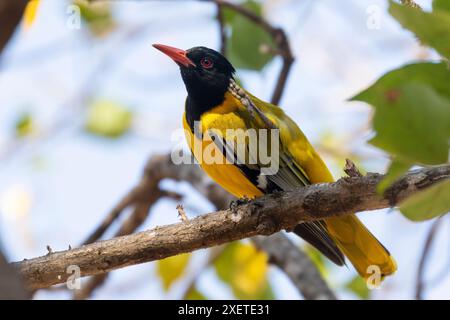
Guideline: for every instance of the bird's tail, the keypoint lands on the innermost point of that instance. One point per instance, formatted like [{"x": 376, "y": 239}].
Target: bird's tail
[{"x": 365, "y": 252}]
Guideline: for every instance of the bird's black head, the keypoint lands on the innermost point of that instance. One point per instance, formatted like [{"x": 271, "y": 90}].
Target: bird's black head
[{"x": 205, "y": 72}]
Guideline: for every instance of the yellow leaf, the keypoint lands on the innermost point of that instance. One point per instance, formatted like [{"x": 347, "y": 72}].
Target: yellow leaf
[
  {"x": 244, "y": 268},
  {"x": 30, "y": 13},
  {"x": 171, "y": 269},
  {"x": 251, "y": 274}
]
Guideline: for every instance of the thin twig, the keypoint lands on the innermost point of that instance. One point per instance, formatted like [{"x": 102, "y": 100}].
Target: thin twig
[
  {"x": 182, "y": 213},
  {"x": 351, "y": 170},
  {"x": 420, "y": 283},
  {"x": 222, "y": 29},
  {"x": 133, "y": 222},
  {"x": 445, "y": 269},
  {"x": 279, "y": 38},
  {"x": 147, "y": 188}
]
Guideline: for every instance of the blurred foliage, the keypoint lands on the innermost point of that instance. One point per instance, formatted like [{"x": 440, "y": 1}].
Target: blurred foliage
[
  {"x": 358, "y": 286},
  {"x": 171, "y": 269},
  {"x": 24, "y": 125},
  {"x": 97, "y": 15},
  {"x": 244, "y": 269},
  {"x": 318, "y": 259},
  {"x": 412, "y": 109},
  {"x": 338, "y": 148},
  {"x": 30, "y": 13},
  {"x": 248, "y": 45},
  {"x": 194, "y": 294},
  {"x": 16, "y": 201},
  {"x": 109, "y": 119},
  {"x": 441, "y": 5},
  {"x": 429, "y": 203}
]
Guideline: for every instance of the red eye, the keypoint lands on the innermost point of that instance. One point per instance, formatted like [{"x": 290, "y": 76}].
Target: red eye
[{"x": 206, "y": 63}]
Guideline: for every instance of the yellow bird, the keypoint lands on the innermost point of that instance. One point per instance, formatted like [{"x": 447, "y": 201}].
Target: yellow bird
[{"x": 219, "y": 113}]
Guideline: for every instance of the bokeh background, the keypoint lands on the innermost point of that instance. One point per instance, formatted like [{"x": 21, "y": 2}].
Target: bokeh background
[{"x": 82, "y": 109}]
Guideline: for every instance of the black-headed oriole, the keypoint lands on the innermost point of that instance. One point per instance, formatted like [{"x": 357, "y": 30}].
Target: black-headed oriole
[{"x": 215, "y": 103}]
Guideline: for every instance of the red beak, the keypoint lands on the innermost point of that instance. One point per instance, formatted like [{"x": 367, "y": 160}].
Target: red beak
[{"x": 177, "y": 55}]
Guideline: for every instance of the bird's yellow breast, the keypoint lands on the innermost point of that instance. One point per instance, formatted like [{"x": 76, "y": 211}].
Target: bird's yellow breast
[{"x": 225, "y": 174}]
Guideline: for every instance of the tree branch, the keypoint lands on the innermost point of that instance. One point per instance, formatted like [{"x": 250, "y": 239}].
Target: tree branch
[
  {"x": 10, "y": 16},
  {"x": 159, "y": 167},
  {"x": 297, "y": 266},
  {"x": 263, "y": 216},
  {"x": 279, "y": 38},
  {"x": 138, "y": 216},
  {"x": 11, "y": 285},
  {"x": 222, "y": 29}
]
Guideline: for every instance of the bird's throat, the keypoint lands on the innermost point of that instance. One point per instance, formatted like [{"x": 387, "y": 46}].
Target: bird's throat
[{"x": 201, "y": 100}]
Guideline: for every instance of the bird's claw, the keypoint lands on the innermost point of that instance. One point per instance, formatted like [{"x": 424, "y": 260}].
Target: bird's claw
[{"x": 236, "y": 203}]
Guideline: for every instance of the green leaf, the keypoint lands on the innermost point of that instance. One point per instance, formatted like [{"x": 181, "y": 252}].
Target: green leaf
[
  {"x": 359, "y": 287},
  {"x": 194, "y": 294},
  {"x": 414, "y": 124},
  {"x": 24, "y": 125},
  {"x": 441, "y": 5},
  {"x": 412, "y": 112},
  {"x": 244, "y": 269},
  {"x": 429, "y": 203},
  {"x": 435, "y": 75},
  {"x": 109, "y": 119},
  {"x": 171, "y": 269},
  {"x": 249, "y": 46},
  {"x": 396, "y": 169},
  {"x": 432, "y": 28}
]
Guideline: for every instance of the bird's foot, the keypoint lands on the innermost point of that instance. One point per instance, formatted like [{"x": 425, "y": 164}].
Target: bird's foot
[{"x": 236, "y": 203}]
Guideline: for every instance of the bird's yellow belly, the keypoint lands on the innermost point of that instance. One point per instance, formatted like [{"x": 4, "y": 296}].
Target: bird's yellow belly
[{"x": 227, "y": 175}]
